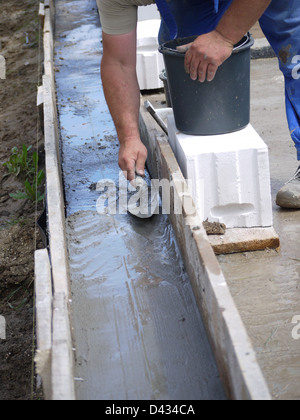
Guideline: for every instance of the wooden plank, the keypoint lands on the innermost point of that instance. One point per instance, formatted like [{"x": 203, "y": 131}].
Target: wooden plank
[
  {"x": 49, "y": 64},
  {"x": 62, "y": 363},
  {"x": 42, "y": 13},
  {"x": 55, "y": 197},
  {"x": 245, "y": 239},
  {"x": 43, "y": 304},
  {"x": 48, "y": 47},
  {"x": 50, "y": 4},
  {"x": 63, "y": 388},
  {"x": 236, "y": 359},
  {"x": 40, "y": 105},
  {"x": 40, "y": 96}
]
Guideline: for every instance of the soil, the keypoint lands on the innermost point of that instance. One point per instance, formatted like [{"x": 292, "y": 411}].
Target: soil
[{"x": 19, "y": 124}]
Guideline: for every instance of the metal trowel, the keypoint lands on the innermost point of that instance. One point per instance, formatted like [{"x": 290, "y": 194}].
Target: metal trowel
[{"x": 143, "y": 201}]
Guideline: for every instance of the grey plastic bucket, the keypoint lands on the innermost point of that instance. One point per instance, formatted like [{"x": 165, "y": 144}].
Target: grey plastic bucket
[{"x": 209, "y": 108}]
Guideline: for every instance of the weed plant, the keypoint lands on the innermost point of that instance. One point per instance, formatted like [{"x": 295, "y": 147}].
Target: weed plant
[{"x": 26, "y": 167}]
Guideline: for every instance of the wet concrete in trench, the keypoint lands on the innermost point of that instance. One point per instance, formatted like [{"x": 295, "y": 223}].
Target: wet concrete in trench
[{"x": 137, "y": 330}]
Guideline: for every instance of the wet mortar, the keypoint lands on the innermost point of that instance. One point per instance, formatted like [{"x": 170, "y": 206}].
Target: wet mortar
[{"x": 137, "y": 329}]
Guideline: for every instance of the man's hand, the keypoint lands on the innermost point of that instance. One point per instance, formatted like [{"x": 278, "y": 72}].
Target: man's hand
[
  {"x": 205, "y": 55},
  {"x": 132, "y": 158}
]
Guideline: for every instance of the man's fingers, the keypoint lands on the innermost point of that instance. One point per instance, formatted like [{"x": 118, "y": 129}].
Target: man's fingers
[
  {"x": 130, "y": 175},
  {"x": 211, "y": 72},
  {"x": 132, "y": 160},
  {"x": 198, "y": 66},
  {"x": 194, "y": 66},
  {"x": 140, "y": 163},
  {"x": 187, "y": 61},
  {"x": 140, "y": 168},
  {"x": 188, "y": 56},
  {"x": 205, "y": 55},
  {"x": 128, "y": 168},
  {"x": 202, "y": 71}
]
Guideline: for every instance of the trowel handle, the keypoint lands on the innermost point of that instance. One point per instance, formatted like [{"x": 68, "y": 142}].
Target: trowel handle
[{"x": 157, "y": 118}]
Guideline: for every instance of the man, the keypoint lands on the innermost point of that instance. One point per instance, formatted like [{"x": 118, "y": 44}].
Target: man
[{"x": 219, "y": 24}]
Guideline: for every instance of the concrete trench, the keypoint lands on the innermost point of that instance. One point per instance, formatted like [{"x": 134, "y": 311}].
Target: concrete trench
[{"x": 137, "y": 330}]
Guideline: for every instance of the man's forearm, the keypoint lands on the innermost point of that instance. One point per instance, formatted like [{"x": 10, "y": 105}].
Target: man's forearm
[
  {"x": 122, "y": 94},
  {"x": 123, "y": 97},
  {"x": 240, "y": 18}
]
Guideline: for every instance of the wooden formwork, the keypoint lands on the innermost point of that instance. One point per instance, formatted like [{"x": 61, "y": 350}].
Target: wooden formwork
[{"x": 54, "y": 357}]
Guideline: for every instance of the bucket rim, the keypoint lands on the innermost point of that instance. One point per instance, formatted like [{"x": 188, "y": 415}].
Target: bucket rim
[{"x": 245, "y": 44}]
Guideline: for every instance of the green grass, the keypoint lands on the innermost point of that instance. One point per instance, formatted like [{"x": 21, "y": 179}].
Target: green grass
[{"x": 26, "y": 167}]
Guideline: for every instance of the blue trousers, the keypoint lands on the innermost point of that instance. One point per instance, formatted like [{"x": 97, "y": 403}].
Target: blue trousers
[{"x": 280, "y": 23}]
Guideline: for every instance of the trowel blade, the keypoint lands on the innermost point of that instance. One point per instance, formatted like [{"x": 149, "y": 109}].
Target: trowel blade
[{"x": 144, "y": 200}]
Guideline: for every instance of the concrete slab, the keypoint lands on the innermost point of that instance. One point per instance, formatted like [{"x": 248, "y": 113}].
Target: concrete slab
[
  {"x": 265, "y": 285},
  {"x": 137, "y": 329}
]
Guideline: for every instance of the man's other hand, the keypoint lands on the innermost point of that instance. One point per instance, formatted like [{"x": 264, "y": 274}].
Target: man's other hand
[
  {"x": 205, "y": 55},
  {"x": 132, "y": 158}
]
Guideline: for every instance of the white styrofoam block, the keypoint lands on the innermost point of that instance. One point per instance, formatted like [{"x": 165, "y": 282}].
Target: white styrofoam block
[
  {"x": 149, "y": 61},
  {"x": 149, "y": 67},
  {"x": 229, "y": 175},
  {"x": 148, "y": 12},
  {"x": 147, "y": 33}
]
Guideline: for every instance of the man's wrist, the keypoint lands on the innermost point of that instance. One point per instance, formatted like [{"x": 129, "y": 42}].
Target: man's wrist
[
  {"x": 230, "y": 36},
  {"x": 130, "y": 140},
  {"x": 240, "y": 18}
]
